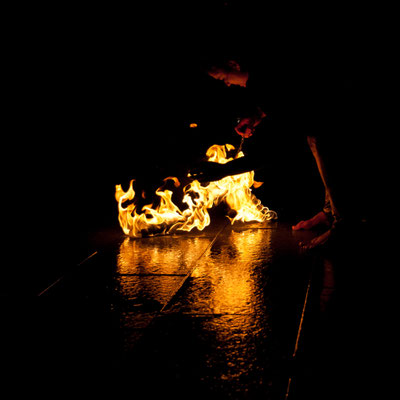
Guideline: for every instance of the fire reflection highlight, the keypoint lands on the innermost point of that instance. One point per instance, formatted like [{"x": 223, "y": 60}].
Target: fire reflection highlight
[
  {"x": 226, "y": 279},
  {"x": 225, "y": 297}
]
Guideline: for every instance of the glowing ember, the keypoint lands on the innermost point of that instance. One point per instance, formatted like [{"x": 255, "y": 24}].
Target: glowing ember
[{"x": 235, "y": 191}]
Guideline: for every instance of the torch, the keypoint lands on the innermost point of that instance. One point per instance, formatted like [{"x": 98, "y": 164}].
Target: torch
[
  {"x": 245, "y": 128},
  {"x": 239, "y": 149}
]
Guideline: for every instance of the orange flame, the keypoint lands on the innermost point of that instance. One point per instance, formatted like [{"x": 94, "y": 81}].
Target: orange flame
[{"x": 167, "y": 217}]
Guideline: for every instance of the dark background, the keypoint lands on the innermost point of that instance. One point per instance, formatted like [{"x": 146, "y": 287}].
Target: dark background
[{"x": 99, "y": 96}]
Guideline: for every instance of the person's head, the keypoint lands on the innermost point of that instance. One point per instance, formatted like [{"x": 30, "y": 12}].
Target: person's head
[{"x": 230, "y": 73}]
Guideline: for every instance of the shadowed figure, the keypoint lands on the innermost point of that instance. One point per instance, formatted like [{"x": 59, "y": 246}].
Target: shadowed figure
[{"x": 317, "y": 106}]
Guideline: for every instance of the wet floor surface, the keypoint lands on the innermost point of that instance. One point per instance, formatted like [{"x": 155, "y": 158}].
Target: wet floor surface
[
  {"x": 224, "y": 327},
  {"x": 213, "y": 313}
]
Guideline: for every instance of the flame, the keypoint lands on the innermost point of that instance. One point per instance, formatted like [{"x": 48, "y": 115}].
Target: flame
[{"x": 167, "y": 217}]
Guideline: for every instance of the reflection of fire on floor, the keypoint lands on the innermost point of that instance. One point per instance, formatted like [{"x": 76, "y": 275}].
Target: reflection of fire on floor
[
  {"x": 217, "y": 308},
  {"x": 213, "y": 312}
]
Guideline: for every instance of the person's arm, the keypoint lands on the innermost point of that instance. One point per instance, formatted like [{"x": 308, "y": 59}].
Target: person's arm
[{"x": 212, "y": 171}]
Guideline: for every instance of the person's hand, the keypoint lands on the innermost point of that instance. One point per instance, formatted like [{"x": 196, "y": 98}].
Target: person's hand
[{"x": 247, "y": 125}]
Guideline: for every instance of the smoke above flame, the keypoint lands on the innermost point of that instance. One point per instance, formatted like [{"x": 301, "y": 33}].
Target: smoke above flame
[{"x": 167, "y": 217}]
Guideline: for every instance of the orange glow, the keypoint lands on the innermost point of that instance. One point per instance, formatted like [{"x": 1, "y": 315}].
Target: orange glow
[
  {"x": 193, "y": 125},
  {"x": 235, "y": 191}
]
